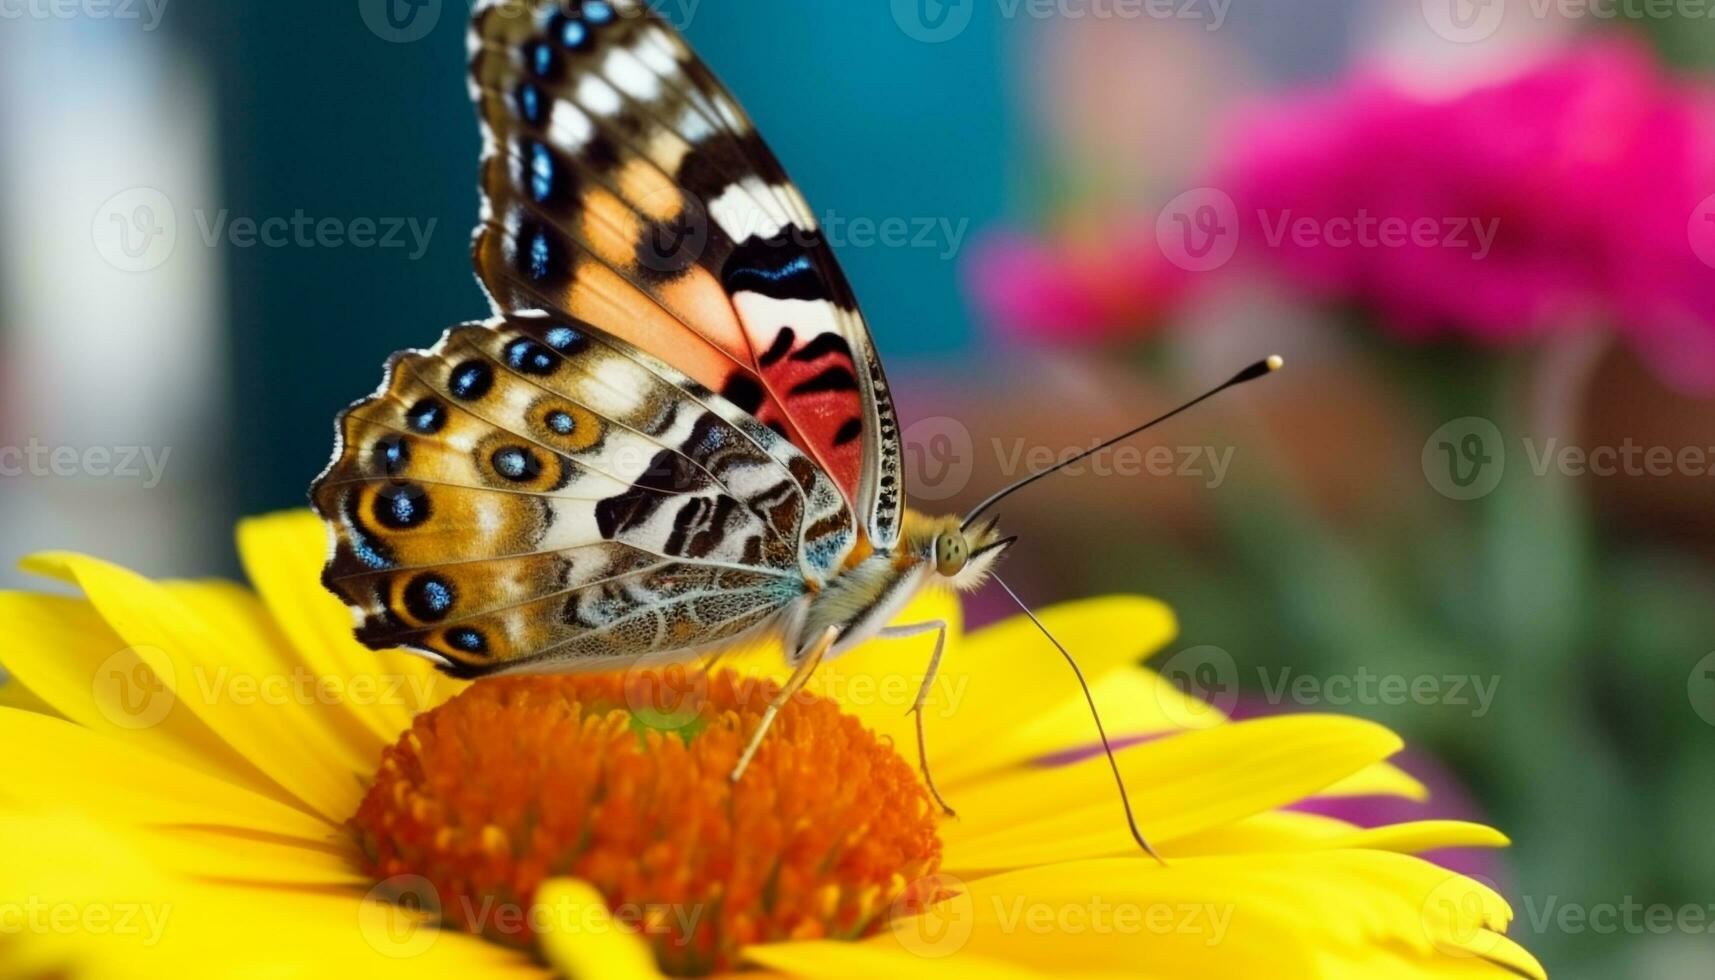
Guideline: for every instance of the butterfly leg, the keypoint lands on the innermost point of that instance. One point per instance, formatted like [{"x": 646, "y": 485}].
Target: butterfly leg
[
  {"x": 939, "y": 628},
  {"x": 806, "y": 666}
]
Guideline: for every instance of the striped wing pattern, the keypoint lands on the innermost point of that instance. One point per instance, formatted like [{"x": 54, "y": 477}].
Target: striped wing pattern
[
  {"x": 534, "y": 493},
  {"x": 624, "y": 187}
]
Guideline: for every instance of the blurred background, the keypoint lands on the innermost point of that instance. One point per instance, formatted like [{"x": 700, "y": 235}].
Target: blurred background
[{"x": 1478, "y": 507}]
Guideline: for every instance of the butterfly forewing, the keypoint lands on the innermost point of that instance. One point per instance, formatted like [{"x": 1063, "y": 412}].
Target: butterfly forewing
[
  {"x": 624, "y": 186},
  {"x": 535, "y": 493}
]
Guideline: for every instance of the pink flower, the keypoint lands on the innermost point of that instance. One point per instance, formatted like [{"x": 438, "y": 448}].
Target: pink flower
[
  {"x": 1569, "y": 196},
  {"x": 1063, "y": 291}
]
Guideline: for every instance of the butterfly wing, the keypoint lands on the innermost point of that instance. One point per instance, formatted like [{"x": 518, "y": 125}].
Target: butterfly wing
[
  {"x": 624, "y": 186},
  {"x": 533, "y": 493}
]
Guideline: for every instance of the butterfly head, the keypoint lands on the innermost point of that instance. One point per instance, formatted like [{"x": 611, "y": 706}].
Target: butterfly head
[{"x": 963, "y": 556}]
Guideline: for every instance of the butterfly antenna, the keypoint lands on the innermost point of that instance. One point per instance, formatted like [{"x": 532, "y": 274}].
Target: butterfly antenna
[
  {"x": 1260, "y": 369},
  {"x": 1107, "y": 749}
]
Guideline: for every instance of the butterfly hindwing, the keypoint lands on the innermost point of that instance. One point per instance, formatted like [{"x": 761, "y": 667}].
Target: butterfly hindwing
[
  {"x": 624, "y": 186},
  {"x": 532, "y": 492}
]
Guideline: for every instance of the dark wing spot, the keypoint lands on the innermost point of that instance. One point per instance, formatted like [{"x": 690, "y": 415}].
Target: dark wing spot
[
  {"x": 822, "y": 345},
  {"x": 427, "y": 416},
  {"x": 517, "y": 464},
  {"x": 467, "y": 640},
  {"x": 850, "y": 430},
  {"x": 401, "y": 506},
  {"x": 782, "y": 343},
  {"x": 833, "y": 379},
  {"x": 471, "y": 380},
  {"x": 540, "y": 255},
  {"x": 530, "y": 356},
  {"x": 532, "y": 104},
  {"x": 778, "y": 267},
  {"x": 392, "y": 454},
  {"x": 429, "y": 598},
  {"x": 567, "y": 341},
  {"x": 744, "y": 391}
]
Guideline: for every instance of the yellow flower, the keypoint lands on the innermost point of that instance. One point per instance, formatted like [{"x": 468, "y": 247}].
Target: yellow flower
[{"x": 202, "y": 780}]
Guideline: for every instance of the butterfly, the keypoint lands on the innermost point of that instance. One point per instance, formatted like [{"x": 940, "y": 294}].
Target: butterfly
[{"x": 674, "y": 436}]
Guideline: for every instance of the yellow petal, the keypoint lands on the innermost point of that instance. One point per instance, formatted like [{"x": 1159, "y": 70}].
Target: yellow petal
[
  {"x": 48, "y": 760},
  {"x": 248, "y": 858},
  {"x": 1006, "y": 675},
  {"x": 580, "y": 937},
  {"x": 1286, "y": 830},
  {"x": 68, "y": 656},
  {"x": 829, "y": 960},
  {"x": 283, "y": 555},
  {"x": 1133, "y": 701},
  {"x": 1272, "y": 830},
  {"x": 1327, "y": 914},
  {"x": 1381, "y": 779},
  {"x": 98, "y": 907},
  {"x": 1418, "y": 836},
  {"x": 1179, "y": 785},
  {"x": 247, "y": 692},
  {"x": 13, "y": 694}
]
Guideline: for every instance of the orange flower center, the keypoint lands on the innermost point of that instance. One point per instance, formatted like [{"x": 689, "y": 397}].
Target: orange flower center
[{"x": 521, "y": 779}]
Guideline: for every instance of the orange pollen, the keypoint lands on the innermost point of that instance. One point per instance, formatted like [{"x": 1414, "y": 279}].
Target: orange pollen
[{"x": 521, "y": 779}]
